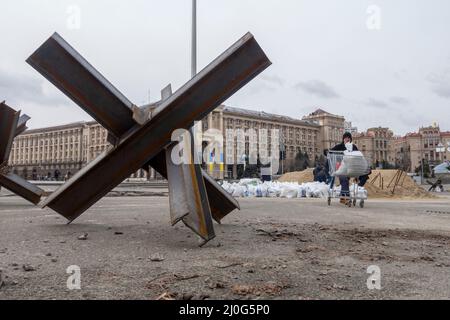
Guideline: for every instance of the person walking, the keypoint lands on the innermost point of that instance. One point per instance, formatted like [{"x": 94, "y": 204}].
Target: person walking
[{"x": 348, "y": 145}]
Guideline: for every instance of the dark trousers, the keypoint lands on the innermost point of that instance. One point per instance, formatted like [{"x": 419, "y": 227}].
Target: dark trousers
[{"x": 345, "y": 184}]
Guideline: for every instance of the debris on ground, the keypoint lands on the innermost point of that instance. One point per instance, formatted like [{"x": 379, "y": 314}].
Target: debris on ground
[
  {"x": 1, "y": 278},
  {"x": 83, "y": 237},
  {"x": 28, "y": 267},
  {"x": 118, "y": 233},
  {"x": 157, "y": 257},
  {"x": 271, "y": 289},
  {"x": 166, "y": 296},
  {"x": 228, "y": 265}
]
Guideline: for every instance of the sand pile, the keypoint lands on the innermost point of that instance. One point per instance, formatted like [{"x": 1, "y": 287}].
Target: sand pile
[
  {"x": 407, "y": 188},
  {"x": 299, "y": 176}
]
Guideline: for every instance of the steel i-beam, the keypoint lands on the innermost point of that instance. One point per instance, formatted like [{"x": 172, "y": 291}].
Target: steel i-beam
[
  {"x": 141, "y": 144},
  {"x": 187, "y": 192},
  {"x": 11, "y": 125},
  {"x": 57, "y": 61}
]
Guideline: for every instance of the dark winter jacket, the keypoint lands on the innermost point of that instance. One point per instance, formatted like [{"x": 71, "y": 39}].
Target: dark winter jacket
[{"x": 341, "y": 147}]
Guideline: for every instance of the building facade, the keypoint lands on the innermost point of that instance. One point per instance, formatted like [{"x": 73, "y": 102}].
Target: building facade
[
  {"x": 430, "y": 144},
  {"x": 377, "y": 144},
  {"x": 295, "y": 136},
  {"x": 59, "y": 152},
  {"x": 332, "y": 127}
]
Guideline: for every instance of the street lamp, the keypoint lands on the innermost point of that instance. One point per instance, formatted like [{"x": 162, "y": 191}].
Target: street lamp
[{"x": 194, "y": 39}]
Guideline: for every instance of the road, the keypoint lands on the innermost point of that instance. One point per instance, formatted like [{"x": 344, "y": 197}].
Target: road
[{"x": 271, "y": 249}]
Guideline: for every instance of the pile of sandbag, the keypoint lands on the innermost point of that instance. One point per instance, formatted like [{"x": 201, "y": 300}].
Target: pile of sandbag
[{"x": 255, "y": 188}]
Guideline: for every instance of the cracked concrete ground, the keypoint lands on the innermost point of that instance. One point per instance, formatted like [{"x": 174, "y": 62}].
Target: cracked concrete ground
[{"x": 271, "y": 249}]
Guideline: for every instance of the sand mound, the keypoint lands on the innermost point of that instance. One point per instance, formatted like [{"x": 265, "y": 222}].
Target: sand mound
[
  {"x": 299, "y": 176},
  {"x": 406, "y": 188}
]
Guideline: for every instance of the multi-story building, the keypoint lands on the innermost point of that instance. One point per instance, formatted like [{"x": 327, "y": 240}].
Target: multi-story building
[
  {"x": 377, "y": 144},
  {"x": 429, "y": 144},
  {"x": 295, "y": 135},
  {"x": 348, "y": 127},
  {"x": 63, "y": 150},
  {"x": 407, "y": 152},
  {"x": 331, "y": 127},
  {"x": 57, "y": 152}
]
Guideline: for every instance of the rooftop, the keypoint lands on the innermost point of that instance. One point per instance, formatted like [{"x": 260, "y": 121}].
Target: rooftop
[
  {"x": 267, "y": 116},
  {"x": 58, "y": 128},
  {"x": 321, "y": 112}
]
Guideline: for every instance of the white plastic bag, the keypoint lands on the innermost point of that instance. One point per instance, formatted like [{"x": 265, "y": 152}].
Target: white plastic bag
[{"x": 289, "y": 192}]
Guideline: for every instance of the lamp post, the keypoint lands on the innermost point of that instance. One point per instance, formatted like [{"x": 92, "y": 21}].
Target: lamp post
[{"x": 194, "y": 39}]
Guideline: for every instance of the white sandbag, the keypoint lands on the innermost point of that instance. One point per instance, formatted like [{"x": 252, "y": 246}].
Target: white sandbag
[
  {"x": 321, "y": 190},
  {"x": 273, "y": 191},
  {"x": 247, "y": 182},
  {"x": 301, "y": 191},
  {"x": 261, "y": 190},
  {"x": 251, "y": 191},
  {"x": 239, "y": 191},
  {"x": 289, "y": 192}
]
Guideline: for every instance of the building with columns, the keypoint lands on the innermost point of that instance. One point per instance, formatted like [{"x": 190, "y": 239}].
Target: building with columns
[
  {"x": 63, "y": 150},
  {"x": 377, "y": 144},
  {"x": 430, "y": 144},
  {"x": 331, "y": 127},
  {"x": 295, "y": 135}
]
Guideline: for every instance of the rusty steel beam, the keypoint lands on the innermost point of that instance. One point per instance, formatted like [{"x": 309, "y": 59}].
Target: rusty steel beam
[
  {"x": 48, "y": 60},
  {"x": 8, "y": 125},
  {"x": 59, "y": 63},
  {"x": 11, "y": 126},
  {"x": 205, "y": 92},
  {"x": 221, "y": 202},
  {"x": 21, "y": 187},
  {"x": 22, "y": 124},
  {"x": 188, "y": 199},
  {"x": 187, "y": 191}
]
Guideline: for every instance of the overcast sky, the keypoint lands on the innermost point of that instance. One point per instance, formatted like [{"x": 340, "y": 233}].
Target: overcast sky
[{"x": 375, "y": 62}]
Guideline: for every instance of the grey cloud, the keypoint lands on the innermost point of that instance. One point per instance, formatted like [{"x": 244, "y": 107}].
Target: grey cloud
[
  {"x": 274, "y": 80},
  {"x": 442, "y": 90},
  {"x": 371, "y": 102},
  {"x": 260, "y": 88},
  {"x": 317, "y": 88},
  {"x": 399, "y": 100},
  {"x": 440, "y": 83},
  {"x": 24, "y": 89}
]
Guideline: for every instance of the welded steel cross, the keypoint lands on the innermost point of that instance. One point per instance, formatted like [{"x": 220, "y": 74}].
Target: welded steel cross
[
  {"x": 142, "y": 136},
  {"x": 13, "y": 124}
]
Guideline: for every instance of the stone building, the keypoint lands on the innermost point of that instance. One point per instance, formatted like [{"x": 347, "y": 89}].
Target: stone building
[
  {"x": 61, "y": 151},
  {"x": 406, "y": 152},
  {"x": 377, "y": 144},
  {"x": 429, "y": 144},
  {"x": 295, "y": 135},
  {"x": 331, "y": 127}
]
